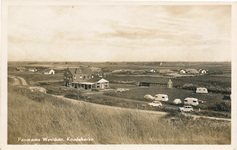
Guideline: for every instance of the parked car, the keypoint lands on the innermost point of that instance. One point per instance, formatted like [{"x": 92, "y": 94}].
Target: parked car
[
  {"x": 191, "y": 101},
  {"x": 161, "y": 97},
  {"x": 186, "y": 109},
  {"x": 155, "y": 104}
]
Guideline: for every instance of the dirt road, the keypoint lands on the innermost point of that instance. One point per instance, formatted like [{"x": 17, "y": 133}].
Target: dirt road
[
  {"x": 16, "y": 80},
  {"x": 23, "y": 81}
]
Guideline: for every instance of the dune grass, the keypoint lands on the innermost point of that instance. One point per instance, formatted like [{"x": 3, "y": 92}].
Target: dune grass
[{"x": 36, "y": 118}]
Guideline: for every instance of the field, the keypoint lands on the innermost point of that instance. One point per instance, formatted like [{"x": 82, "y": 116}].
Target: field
[{"x": 36, "y": 116}]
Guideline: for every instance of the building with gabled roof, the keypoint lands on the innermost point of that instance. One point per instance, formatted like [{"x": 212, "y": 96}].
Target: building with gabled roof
[
  {"x": 49, "y": 71},
  {"x": 83, "y": 77},
  {"x": 76, "y": 74}
]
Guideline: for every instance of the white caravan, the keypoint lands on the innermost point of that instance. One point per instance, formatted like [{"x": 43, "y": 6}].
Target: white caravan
[
  {"x": 161, "y": 97},
  {"x": 191, "y": 101}
]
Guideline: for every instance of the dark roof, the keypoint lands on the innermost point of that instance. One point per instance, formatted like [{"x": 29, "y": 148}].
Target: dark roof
[
  {"x": 155, "y": 80},
  {"x": 85, "y": 70},
  {"x": 80, "y": 70}
]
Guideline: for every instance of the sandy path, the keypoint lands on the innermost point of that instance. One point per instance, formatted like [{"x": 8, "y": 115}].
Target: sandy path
[
  {"x": 23, "y": 81},
  {"x": 16, "y": 80}
]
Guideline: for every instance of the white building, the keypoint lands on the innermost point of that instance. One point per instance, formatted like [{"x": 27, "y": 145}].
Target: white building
[{"x": 49, "y": 71}]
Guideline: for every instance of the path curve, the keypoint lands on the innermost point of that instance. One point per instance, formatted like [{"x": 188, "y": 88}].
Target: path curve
[
  {"x": 23, "y": 81},
  {"x": 16, "y": 80}
]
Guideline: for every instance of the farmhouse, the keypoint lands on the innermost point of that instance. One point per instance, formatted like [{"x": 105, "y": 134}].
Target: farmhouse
[
  {"x": 201, "y": 90},
  {"x": 202, "y": 71},
  {"x": 32, "y": 69},
  {"x": 76, "y": 74},
  {"x": 156, "y": 82},
  {"x": 49, "y": 71},
  {"x": 20, "y": 69}
]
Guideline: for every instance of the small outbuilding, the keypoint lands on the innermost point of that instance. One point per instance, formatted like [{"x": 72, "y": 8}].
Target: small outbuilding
[
  {"x": 49, "y": 71},
  {"x": 202, "y": 71},
  {"x": 21, "y": 69},
  {"x": 182, "y": 71},
  {"x": 201, "y": 90},
  {"x": 32, "y": 69}
]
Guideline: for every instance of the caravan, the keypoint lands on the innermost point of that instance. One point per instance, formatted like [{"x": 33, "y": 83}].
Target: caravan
[
  {"x": 191, "y": 101},
  {"x": 161, "y": 97}
]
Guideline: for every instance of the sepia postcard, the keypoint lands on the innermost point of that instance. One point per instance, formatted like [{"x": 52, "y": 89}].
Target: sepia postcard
[{"x": 118, "y": 75}]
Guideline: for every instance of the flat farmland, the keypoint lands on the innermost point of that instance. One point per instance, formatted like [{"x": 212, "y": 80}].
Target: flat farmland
[{"x": 137, "y": 93}]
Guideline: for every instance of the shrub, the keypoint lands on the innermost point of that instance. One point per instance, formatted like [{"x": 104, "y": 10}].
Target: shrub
[
  {"x": 222, "y": 106},
  {"x": 188, "y": 86}
]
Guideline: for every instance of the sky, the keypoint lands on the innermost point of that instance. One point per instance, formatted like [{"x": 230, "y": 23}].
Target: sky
[{"x": 119, "y": 33}]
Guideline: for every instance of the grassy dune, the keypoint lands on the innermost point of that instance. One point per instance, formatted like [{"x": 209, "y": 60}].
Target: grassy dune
[{"x": 36, "y": 116}]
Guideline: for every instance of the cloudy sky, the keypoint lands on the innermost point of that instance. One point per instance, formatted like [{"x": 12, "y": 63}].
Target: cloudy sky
[{"x": 119, "y": 33}]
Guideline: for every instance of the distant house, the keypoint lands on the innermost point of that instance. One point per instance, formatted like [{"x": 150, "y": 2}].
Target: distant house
[
  {"x": 32, "y": 69},
  {"x": 49, "y": 71},
  {"x": 152, "y": 70},
  {"x": 20, "y": 69},
  {"x": 182, "y": 71},
  {"x": 202, "y": 71},
  {"x": 95, "y": 69},
  {"x": 191, "y": 71},
  {"x": 201, "y": 90},
  {"x": 153, "y": 82}
]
